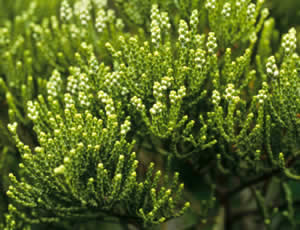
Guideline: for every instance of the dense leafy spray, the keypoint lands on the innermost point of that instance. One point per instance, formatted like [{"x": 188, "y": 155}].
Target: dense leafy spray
[{"x": 91, "y": 89}]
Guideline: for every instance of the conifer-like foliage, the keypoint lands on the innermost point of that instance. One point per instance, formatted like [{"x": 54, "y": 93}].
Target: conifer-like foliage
[
  {"x": 93, "y": 92},
  {"x": 84, "y": 166}
]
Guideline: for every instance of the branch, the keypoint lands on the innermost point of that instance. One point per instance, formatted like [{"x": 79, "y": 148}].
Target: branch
[
  {"x": 259, "y": 179},
  {"x": 242, "y": 214},
  {"x": 252, "y": 182}
]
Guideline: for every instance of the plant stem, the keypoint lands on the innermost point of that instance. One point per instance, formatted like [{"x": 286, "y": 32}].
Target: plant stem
[{"x": 124, "y": 224}]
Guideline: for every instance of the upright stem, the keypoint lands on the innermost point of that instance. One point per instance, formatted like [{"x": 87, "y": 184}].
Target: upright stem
[
  {"x": 227, "y": 206},
  {"x": 124, "y": 224},
  {"x": 164, "y": 226}
]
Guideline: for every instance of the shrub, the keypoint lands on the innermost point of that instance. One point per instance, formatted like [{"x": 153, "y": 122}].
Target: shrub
[{"x": 93, "y": 92}]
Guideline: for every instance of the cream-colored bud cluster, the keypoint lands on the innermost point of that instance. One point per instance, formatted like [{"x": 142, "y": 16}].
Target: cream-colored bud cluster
[
  {"x": 111, "y": 15},
  {"x": 69, "y": 101},
  {"x": 101, "y": 20},
  {"x": 230, "y": 93},
  {"x": 160, "y": 24},
  {"x": 137, "y": 103},
  {"x": 37, "y": 32},
  {"x": 216, "y": 98},
  {"x": 66, "y": 12},
  {"x": 83, "y": 99},
  {"x": 74, "y": 31},
  {"x": 251, "y": 11},
  {"x": 261, "y": 96},
  {"x": 289, "y": 41},
  {"x": 210, "y": 4},
  {"x": 184, "y": 34},
  {"x": 155, "y": 14},
  {"x": 54, "y": 85},
  {"x": 175, "y": 97},
  {"x": 78, "y": 86},
  {"x": 200, "y": 58},
  {"x": 226, "y": 11},
  {"x": 211, "y": 43},
  {"x": 33, "y": 112},
  {"x": 165, "y": 21},
  {"x": 84, "y": 13},
  {"x": 194, "y": 21},
  {"x": 265, "y": 12},
  {"x": 159, "y": 89},
  {"x": 108, "y": 102},
  {"x": 119, "y": 24},
  {"x": 112, "y": 79},
  {"x": 271, "y": 67},
  {"x": 155, "y": 26},
  {"x": 182, "y": 92},
  {"x": 94, "y": 65},
  {"x": 157, "y": 108},
  {"x": 72, "y": 85},
  {"x": 59, "y": 170},
  {"x": 106, "y": 17},
  {"x": 125, "y": 128},
  {"x": 83, "y": 82},
  {"x": 13, "y": 127},
  {"x": 73, "y": 81},
  {"x": 124, "y": 91}
]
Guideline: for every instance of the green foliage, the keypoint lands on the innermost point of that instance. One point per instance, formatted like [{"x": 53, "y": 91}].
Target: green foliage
[
  {"x": 92, "y": 91},
  {"x": 32, "y": 48},
  {"x": 84, "y": 166}
]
